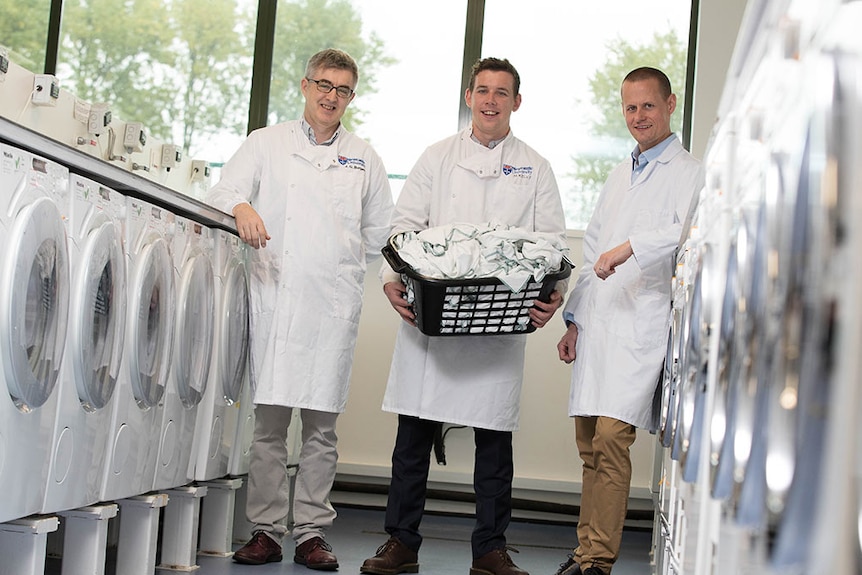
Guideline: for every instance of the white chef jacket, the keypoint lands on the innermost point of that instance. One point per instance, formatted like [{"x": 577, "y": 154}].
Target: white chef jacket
[
  {"x": 328, "y": 210},
  {"x": 623, "y": 321},
  {"x": 468, "y": 380}
]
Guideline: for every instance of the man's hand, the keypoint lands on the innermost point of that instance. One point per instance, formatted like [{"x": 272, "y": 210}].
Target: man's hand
[
  {"x": 542, "y": 312},
  {"x": 608, "y": 261},
  {"x": 566, "y": 347},
  {"x": 397, "y": 294},
  {"x": 250, "y": 226}
]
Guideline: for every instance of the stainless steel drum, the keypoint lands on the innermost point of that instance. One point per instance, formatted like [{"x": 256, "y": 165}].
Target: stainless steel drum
[
  {"x": 747, "y": 499},
  {"x": 721, "y": 423},
  {"x": 670, "y": 376},
  {"x": 693, "y": 368},
  {"x": 819, "y": 227},
  {"x": 681, "y": 347}
]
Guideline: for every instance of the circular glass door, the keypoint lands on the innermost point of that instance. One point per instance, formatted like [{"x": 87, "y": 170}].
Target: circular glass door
[
  {"x": 233, "y": 339},
  {"x": 151, "y": 327},
  {"x": 195, "y": 332},
  {"x": 35, "y": 304},
  {"x": 98, "y": 316}
]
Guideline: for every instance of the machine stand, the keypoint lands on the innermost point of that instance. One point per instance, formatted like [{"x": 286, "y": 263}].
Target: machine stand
[
  {"x": 180, "y": 530},
  {"x": 217, "y": 517},
  {"x": 139, "y": 533},
  {"x": 85, "y": 539},
  {"x": 23, "y": 543}
]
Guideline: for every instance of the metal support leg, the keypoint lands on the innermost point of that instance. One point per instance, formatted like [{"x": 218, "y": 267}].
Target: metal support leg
[
  {"x": 217, "y": 517},
  {"x": 23, "y": 543},
  {"x": 139, "y": 533},
  {"x": 85, "y": 539},
  {"x": 180, "y": 530}
]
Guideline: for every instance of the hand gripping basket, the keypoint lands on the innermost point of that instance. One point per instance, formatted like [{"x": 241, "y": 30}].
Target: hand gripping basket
[{"x": 476, "y": 306}]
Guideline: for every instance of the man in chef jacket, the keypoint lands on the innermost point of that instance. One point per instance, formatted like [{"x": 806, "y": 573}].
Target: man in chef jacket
[
  {"x": 618, "y": 313},
  {"x": 313, "y": 200},
  {"x": 466, "y": 380}
]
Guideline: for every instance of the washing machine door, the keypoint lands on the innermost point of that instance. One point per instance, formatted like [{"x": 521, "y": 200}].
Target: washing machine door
[
  {"x": 693, "y": 370},
  {"x": 98, "y": 317},
  {"x": 35, "y": 304},
  {"x": 195, "y": 331},
  {"x": 151, "y": 323},
  {"x": 233, "y": 339}
]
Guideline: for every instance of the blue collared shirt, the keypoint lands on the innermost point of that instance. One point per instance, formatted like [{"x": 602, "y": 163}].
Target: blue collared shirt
[
  {"x": 309, "y": 131},
  {"x": 640, "y": 160}
]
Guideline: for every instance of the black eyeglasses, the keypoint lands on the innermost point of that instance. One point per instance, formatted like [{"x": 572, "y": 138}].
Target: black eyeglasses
[{"x": 327, "y": 87}]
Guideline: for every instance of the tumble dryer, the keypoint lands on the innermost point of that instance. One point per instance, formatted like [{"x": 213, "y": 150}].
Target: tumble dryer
[
  {"x": 193, "y": 344},
  {"x": 94, "y": 346},
  {"x": 133, "y": 440},
  {"x": 219, "y": 412},
  {"x": 34, "y": 304}
]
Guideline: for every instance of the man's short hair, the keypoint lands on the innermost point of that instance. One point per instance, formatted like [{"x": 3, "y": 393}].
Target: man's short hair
[
  {"x": 332, "y": 58},
  {"x": 495, "y": 65},
  {"x": 647, "y": 73}
]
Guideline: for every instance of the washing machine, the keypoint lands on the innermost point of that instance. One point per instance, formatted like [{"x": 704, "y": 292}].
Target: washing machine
[
  {"x": 133, "y": 439},
  {"x": 34, "y": 305},
  {"x": 223, "y": 408},
  {"x": 94, "y": 345},
  {"x": 193, "y": 345}
]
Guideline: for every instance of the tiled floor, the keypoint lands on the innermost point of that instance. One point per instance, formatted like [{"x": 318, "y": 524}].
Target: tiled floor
[{"x": 359, "y": 531}]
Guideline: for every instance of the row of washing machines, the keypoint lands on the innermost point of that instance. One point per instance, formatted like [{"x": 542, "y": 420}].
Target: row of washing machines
[
  {"x": 760, "y": 405},
  {"x": 123, "y": 344}
]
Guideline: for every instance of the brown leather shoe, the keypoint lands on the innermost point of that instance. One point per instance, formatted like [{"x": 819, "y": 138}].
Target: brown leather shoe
[
  {"x": 392, "y": 557},
  {"x": 316, "y": 554},
  {"x": 496, "y": 562},
  {"x": 260, "y": 549}
]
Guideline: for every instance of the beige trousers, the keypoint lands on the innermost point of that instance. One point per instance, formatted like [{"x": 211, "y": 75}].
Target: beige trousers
[
  {"x": 603, "y": 444},
  {"x": 268, "y": 500}
]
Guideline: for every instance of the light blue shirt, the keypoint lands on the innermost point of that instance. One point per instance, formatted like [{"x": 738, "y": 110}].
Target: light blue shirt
[
  {"x": 640, "y": 160},
  {"x": 309, "y": 131}
]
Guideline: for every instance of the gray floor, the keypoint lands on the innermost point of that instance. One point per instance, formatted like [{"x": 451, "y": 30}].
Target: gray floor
[
  {"x": 359, "y": 531},
  {"x": 446, "y": 548}
]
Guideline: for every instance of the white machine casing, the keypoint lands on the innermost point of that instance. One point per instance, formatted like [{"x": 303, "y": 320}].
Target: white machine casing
[
  {"x": 94, "y": 345},
  {"x": 133, "y": 441},
  {"x": 193, "y": 247},
  {"x": 223, "y": 404},
  {"x": 34, "y": 304}
]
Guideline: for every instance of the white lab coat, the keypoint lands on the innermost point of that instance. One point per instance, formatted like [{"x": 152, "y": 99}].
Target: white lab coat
[
  {"x": 623, "y": 321},
  {"x": 328, "y": 210},
  {"x": 468, "y": 380}
]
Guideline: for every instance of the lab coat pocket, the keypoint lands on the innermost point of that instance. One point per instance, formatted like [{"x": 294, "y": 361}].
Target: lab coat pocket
[
  {"x": 347, "y": 193},
  {"x": 639, "y": 316}
]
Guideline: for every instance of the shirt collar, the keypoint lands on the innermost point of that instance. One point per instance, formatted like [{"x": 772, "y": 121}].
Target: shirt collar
[
  {"x": 492, "y": 144},
  {"x": 309, "y": 131},
  {"x": 641, "y": 159}
]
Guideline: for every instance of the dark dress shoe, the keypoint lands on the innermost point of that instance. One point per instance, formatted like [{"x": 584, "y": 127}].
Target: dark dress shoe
[
  {"x": 316, "y": 554},
  {"x": 496, "y": 562},
  {"x": 569, "y": 567},
  {"x": 259, "y": 550},
  {"x": 392, "y": 557}
]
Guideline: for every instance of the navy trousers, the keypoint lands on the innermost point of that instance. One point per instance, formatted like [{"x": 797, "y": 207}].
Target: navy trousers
[{"x": 493, "y": 470}]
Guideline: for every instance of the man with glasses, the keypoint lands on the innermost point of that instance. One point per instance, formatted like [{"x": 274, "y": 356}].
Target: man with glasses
[
  {"x": 313, "y": 200},
  {"x": 482, "y": 174}
]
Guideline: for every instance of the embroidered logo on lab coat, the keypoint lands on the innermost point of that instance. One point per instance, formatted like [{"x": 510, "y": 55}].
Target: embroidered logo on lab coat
[
  {"x": 353, "y": 163},
  {"x": 524, "y": 173}
]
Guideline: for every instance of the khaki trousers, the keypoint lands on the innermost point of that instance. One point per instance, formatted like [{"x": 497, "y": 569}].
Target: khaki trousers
[
  {"x": 268, "y": 501},
  {"x": 603, "y": 444}
]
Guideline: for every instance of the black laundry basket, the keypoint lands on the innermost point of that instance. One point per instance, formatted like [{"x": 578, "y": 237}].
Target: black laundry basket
[{"x": 477, "y": 306}]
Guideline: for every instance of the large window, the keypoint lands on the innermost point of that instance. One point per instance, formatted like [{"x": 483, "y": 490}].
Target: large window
[
  {"x": 183, "y": 68},
  {"x": 571, "y": 60}
]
